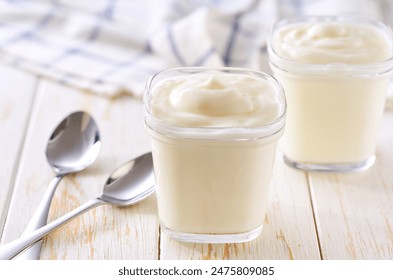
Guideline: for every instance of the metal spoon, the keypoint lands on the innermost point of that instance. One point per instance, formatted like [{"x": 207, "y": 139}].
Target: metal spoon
[
  {"x": 73, "y": 146},
  {"x": 129, "y": 184}
]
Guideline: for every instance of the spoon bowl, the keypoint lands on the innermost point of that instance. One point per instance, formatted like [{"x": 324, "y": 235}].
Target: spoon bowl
[
  {"x": 128, "y": 185},
  {"x": 73, "y": 146},
  {"x": 138, "y": 173}
]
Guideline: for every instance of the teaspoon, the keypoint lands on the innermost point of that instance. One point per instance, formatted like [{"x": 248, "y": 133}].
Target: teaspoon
[
  {"x": 128, "y": 185},
  {"x": 72, "y": 147}
]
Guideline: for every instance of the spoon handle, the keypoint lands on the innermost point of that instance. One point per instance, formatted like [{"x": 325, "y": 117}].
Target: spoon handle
[
  {"x": 13, "y": 248},
  {"x": 39, "y": 219}
]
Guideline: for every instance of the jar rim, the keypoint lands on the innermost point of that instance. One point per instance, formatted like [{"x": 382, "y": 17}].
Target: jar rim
[
  {"x": 214, "y": 132},
  {"x": 378, "y": 68}
]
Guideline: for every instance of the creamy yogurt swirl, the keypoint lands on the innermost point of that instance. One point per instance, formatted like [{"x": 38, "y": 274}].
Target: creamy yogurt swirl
[
  {"x": 215, "y": 100},
  {"x": 331, "y": 42}
]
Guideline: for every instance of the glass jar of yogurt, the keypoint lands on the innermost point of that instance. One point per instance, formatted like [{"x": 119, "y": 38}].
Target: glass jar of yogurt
[
  {"x": 214, "y": 135},
  {"x": 335, "y": 72}
]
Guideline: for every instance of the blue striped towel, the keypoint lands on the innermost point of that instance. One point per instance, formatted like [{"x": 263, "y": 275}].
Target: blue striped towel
[{"x": 111, "y": 47}]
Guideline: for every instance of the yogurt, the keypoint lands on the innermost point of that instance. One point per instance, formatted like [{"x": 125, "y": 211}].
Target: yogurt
[
  {"x": 331, "y": 42},
  {"x": 335, "y": 72},
  {"x": 214, "y": 134},
  {"x": 215, "y": 100}
]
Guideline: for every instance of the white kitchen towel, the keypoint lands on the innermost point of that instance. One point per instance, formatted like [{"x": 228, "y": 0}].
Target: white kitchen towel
[{"x": 112, "y": 47}]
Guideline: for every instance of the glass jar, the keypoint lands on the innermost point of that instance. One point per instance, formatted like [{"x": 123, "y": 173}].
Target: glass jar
[
  {"x": 212, "y": 181},
  {"x": 334, "y": 107}
]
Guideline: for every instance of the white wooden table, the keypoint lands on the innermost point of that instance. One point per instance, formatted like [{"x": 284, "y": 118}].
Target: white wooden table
[{"x": 311, "y": 215}]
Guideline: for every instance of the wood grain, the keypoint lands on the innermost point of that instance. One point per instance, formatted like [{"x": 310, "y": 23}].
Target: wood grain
[
  {"x": 16, "y": 95},
  {"x": 310, "y": 216},
  {"x": 105, "y": 232},
  {"x": 354, "y": 211}
]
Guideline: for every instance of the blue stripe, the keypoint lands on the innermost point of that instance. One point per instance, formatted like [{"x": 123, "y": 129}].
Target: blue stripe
[
  {"x": 235, "y": 30},
  {"x": 263, "y": 49},
  {"x": 22, "y": 2},
  {"x": 95, "y": 32},
  {"x": 174, "y": 48},
  {"x": 108, "y": 12},
  {"x": 21, "y": 36},
  {"x": 231, "y": 40},
  {"x": 298, "y": 6},
  {"x": 249, "y": 34},
  {"x": 148, "y": 47},
  {"x": 16, "y": 2},
  {"x": 83, "y": 53},
  {"x": 200, "y": 61},
  {"x": 66, "y": 53},
  {"x": 124, "y": 64},
  {"x": 98, "y": 81},
  {"x": 69, "y": 52},
  {"x": 46, "y": 19},
  {"x": 216, "y": 2},
  {"x": 177, "y": 7},
  {"x": 29, "y": 34}
]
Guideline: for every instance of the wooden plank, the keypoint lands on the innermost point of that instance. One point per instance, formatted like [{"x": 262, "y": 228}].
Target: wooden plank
[
  {"x": 289, "y": 230},
  {"x": 105, "y": 232},
  {"x": 354, "y": 212},
  {"x": 16, "y": 95}
]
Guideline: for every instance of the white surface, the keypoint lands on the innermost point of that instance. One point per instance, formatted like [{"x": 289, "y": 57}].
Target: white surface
[{"x": 347, "y": 216}]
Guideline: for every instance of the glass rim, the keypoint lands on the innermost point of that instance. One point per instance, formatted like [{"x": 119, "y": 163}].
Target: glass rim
[
  {"x": 372, "y": 69},
  {"x": 215, "y": 132}
]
